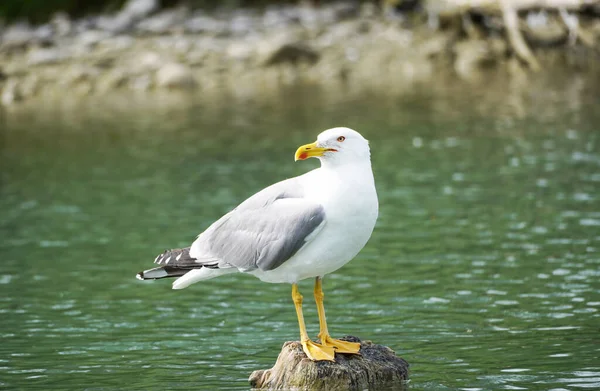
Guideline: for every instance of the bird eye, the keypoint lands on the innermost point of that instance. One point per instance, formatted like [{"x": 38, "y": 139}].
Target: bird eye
[{"x": 341, "y": 138}]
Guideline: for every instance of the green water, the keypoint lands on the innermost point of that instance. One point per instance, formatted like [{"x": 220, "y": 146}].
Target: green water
[{"x": 483, "y": 271}]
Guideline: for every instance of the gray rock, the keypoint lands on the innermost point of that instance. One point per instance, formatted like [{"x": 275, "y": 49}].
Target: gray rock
[
  {"x": 117, "y": 24},
  {"x": 138, "y": 9},
  {"x": 141, "y": 83},
  {"x": 544, "y": 30},
  {"x": 205, "y": 24},
  {"x": 293, "y": 53},
  {"x": 240, "y": 50},
  {"x": 30, "y": 85},
  {"x": 80, "y": 74},
  {"x": 147, "y": 62},
  {"x": 42, "y": 56},
  {"x": 472, "y": 56},
  {"x": 242, "y": 24},
  {"x": 276, "y": 17},
  {"x": 175, "y": 75},
  {"x": 62, "y": 24},
  {"x": 82, "y": 25},
  {"x": 108, "y": 81},
  {"x": 435, "y": 45},
  {"x": 17, "y": 36},
  {"x": 132, "y": 12},
  {"x": 119, "y": 42},
  {"x": 310, "y": 18},
  {"x": 91, "y": 38},
  {"x": 11, "y": 93},
  {"x": 345, "y": 10},
  {"x": 44, "y": 34},
  {"x": 162, "y": 23}
]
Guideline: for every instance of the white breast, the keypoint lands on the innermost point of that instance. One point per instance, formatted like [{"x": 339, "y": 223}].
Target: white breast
[{"x": 351, "y": 207}]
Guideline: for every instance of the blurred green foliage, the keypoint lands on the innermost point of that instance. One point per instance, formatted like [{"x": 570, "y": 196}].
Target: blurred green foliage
[
  {"x": 40, "y": 10},
  {"x": 37, "y": 11}
]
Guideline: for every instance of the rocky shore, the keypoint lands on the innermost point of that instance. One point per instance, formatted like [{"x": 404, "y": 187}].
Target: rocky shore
[{"x": 145, "y": 49}]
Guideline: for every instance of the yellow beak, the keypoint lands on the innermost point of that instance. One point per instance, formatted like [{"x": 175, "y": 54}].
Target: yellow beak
[{"x": 311, "y": 150}]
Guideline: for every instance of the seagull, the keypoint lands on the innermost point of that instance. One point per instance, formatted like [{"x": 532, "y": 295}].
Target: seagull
[{"x": 303, "y": 227}]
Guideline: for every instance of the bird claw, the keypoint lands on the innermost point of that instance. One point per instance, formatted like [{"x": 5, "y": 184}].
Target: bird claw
[{"x": 341, "y": 346}]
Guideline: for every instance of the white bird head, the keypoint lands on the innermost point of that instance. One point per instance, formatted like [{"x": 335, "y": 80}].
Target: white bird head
[{"x": 337, "y": 146}]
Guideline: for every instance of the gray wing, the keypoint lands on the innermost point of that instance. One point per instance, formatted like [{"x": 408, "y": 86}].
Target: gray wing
[{"x": 263, "y": 232}]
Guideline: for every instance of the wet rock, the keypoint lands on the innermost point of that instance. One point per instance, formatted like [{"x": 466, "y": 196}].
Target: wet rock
[
  {"x": 471, "y": 56},
  {"x": 175, "y": 75},
  {"x": 11, "y": 93},
  {"x": 278, "y": 17},
  {"x": 90, "y": 38},
  {"x": 311, "y": 19},
  {"x": 341, "y": 32},
  {"x": 434, "y": 46},
  {"x": 240, "y": 51},
  {"x": 84, "y": 24},
  {"x": 137, "y": 9},
  {"x": 544, "y": 30},
  {"x": 368, "y": 10},
  {"x": 44, "y": 34},
  {"x": 141, "y": 83},
  {"x": 242, "y": 24},
  {"x": 61, "y": 24},
  {"x": 111, "y": 80},
  {"x": 344, "y": 10},
  {"x": 17, "y": 36},
  {"x": 147, "y": 62},
  {"x": 130, "y": 14},
  {"x": 116, "y": 24},
  {"x": 119, "y": 42},
  {"x": 293, "y": 53},
  {"x": 80, "y": 74},
  {"x": 163, "y": 22},
  {"x": 498, "y": 47},
  {"x": 202, "y": 24},
  {"x": 43, "y": 56},
  {"x": 30, "y": 85}
]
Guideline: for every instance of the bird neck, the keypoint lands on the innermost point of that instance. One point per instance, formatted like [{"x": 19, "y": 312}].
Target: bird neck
[{"x": 350, "y": 169}]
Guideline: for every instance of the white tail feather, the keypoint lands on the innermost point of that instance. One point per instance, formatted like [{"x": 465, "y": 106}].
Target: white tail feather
[
  {"x": 196, "y": 275},
  {"x": 152, "y": 273}
]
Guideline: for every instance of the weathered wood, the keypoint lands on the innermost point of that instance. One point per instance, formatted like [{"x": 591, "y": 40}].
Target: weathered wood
[
  {"x": 511, "y": 22},
  {"x": 376, "y": 367}
]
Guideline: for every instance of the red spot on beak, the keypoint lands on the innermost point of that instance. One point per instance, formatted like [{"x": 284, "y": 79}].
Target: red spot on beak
[{"x": 303, "y": 156}]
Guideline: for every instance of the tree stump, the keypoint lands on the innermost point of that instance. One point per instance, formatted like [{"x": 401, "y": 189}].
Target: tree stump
[{"x": 376, "y": 367}]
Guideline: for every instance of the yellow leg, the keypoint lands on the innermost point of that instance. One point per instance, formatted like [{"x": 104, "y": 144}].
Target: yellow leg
[
  {"x": 338, "y": 345},
  {"x": 313, "y": 350}
]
